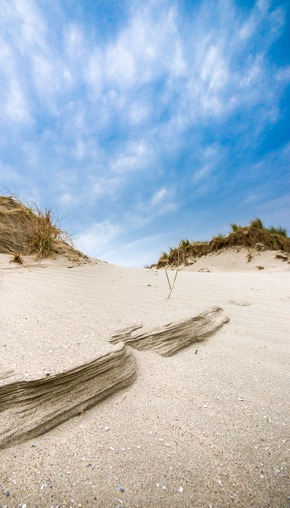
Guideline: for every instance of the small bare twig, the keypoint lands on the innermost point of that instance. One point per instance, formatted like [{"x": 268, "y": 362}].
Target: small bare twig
[
  {"x": 119, "y": 401},
  {"x": 168, "y": 279},
  {"x": 174, "y": 276}
]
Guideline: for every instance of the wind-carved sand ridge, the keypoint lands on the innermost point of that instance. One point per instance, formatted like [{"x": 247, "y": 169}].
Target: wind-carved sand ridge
[
  {"x": 36, "y": 406},
  {"x": 168, "y": 339}
]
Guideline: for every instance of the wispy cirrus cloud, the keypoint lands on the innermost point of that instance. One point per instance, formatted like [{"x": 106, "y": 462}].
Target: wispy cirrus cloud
[
  {"x": 143, "y": 117},
  {"x": 99, "y": 235}
]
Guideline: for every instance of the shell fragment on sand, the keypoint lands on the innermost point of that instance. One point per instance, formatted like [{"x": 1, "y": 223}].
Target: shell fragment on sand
[
  {"x": 168, "y": 339},
  {"x": 31, "y": 408}
]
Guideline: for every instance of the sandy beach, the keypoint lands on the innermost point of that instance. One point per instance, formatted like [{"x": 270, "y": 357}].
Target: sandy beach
[
  {"x": 145, "y": 254},
  {"x": 208, "y": 426}
]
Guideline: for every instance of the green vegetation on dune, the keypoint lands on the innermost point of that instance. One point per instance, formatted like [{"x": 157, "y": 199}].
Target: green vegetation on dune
[{"x": 255, "y": 235}]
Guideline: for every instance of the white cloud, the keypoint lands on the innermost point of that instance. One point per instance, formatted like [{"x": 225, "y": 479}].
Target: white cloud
[
  {"x": 203, "y": 173},
  {"x": 263, "y": 5},
  {"x": 146, "y": 48},
  {"x": 136, "y": 156},
  {"x": 168, "y": 208},
  {"x": 160, "y": 204},
  {"x": 138, "y": 112},
  {"x": 158, "y": 197},
  {"x": 68, "y": 199},
  {"x": 149, "y": 47},
  {"x": 209, "y": 158},
  {"x": 283, "y": 75},
  {"x": 93, "y": 72},
  {"x": 196, "y": 67},
  {"x": 214, "y": 69},
  {"x": 97, "y": 114},
  {"x": 80, "y": 149},
  {"x": 97, "y": 238},
  {"x": 9, "y": 177},
  {"x": 120, "y": 64},
  {"x": 6, "y": 58},
  {"x": 32, "y": 23},
  {"x": 16, "y": 104},
  {"x": 141, "y": 252},
  {"x": 247, "y": 29},
  {"x": 46, "y": 77},
  {"x": 147, "y": 211},
  {"x": 104, "y": 187},
  {"x": 74, "y": 42}
]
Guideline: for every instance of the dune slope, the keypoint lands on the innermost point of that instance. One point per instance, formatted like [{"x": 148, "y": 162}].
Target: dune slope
[{"x": 207, "y": 426}]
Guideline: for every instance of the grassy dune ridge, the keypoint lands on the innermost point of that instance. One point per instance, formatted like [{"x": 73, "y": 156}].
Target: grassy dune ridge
[
  {"x": 28, "y": 230},
  {"x": 255, "y": 235}
]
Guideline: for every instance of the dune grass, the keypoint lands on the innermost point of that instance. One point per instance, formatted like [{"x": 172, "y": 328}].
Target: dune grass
[
  {"x": 43, "y": 233},
  {"x": 278, "y": 231},
  {"x": 17, "y": 259},
  {"x": 27, "y": 229},
  {"x": 255, "y": 235}
]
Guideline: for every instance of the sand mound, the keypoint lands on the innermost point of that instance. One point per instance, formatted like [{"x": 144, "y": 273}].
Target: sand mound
[
  {"x": 56, "y": 358},
  {"x": 255, "y": 238},
  {"x": 207, "y": 426},
  {"x": 24, "y": 230}
]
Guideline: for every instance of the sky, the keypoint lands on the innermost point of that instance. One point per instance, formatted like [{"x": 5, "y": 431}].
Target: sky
[{"x": 143, "y": 123}]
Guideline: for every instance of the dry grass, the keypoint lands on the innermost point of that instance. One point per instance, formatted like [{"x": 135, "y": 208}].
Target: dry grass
[
  {"x": 255, "y": 236},
  {"x": 17, "y": 259},
  {"x": 26, "y": 229},
  {"x": 44, "y": 233}
]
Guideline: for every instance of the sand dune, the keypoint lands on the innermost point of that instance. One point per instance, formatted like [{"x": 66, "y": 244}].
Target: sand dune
[
  {"x": 207, "y": 426},
  {"x": 239, "y": 260}
]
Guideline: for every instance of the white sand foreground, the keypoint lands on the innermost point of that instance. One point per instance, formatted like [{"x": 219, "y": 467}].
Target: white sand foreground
[{"x": 208, "y": 426}]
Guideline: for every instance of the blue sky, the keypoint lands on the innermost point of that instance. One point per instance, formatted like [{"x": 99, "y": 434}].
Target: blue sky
[{"x": 142, "y": 123}]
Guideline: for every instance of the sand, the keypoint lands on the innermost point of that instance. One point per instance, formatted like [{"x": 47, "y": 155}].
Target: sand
[{"x": 208, "y": 426}]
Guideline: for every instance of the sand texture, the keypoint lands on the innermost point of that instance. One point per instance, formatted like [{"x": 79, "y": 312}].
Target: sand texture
[
  {"x": 39, "y": 405},
  {"x": 207, "y": 426},
  {"x": 172, "y": 337}
]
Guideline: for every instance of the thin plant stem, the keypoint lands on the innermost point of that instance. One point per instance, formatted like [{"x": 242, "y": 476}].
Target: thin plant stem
[
  {"x": 175, "y": 277},
  {"x": 168, "y": 279}
]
